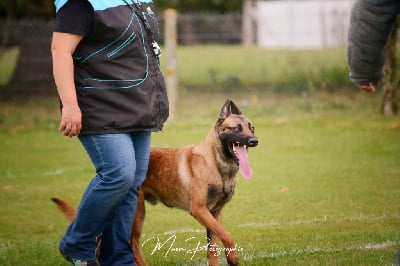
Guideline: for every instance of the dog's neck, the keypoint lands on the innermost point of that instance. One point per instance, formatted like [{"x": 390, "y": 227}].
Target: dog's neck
[{"x": 227, "y": 167}]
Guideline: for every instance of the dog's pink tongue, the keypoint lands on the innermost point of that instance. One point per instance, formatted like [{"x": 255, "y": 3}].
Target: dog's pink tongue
[{"x": 244, "y": 164}]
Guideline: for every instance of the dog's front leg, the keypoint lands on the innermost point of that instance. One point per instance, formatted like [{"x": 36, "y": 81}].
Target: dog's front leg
[
  {"x": 212, "y": 252},
  {"x": 203, "y": 215}
]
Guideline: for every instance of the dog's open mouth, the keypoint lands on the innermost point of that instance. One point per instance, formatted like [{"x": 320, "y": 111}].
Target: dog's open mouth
[{"x": 241, "y": 156}]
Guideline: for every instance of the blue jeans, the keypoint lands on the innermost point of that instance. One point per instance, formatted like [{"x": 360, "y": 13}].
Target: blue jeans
[{"x": 109, "y": 202}]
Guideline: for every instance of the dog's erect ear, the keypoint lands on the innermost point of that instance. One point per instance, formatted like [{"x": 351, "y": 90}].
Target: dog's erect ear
[{"x": 228, "y": 109}]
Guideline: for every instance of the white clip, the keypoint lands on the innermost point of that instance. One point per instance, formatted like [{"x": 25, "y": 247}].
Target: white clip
[{"x": 156, "y": 48}]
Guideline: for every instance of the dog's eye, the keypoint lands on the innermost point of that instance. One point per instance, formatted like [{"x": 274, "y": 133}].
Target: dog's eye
[
  {"x": 251, "y": 128},
  {"x": 238, "y": 128}
]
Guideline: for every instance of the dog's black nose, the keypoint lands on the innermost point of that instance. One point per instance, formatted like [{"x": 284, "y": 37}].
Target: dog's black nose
[{"x": 252, "y": 142}]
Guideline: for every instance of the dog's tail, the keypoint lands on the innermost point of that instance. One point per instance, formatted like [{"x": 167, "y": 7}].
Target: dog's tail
[{"x": 68, "y": 210}]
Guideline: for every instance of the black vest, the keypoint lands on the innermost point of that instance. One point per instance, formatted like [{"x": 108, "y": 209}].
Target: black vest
[{"x": 119, "y": 84}]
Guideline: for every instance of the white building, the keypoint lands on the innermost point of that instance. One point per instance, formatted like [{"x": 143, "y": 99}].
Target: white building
[{"x": 302, "y": 23}]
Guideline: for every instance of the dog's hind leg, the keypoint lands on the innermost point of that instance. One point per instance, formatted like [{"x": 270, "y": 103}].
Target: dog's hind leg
[
  {"x": 212, "y": 252},
  {"x": 137, "y": 231}
]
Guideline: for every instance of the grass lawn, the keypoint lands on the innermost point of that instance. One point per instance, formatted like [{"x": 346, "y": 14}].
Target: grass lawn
[
  {"x": 217, "y": 67},
  {"x": 325, "y": 190}
]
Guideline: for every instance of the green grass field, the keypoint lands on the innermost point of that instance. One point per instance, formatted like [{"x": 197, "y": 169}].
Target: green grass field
[
  {"x": 216, "y": 68},
  {"x": 326, "y": 188},
  {"x": 326, "y": 184}
]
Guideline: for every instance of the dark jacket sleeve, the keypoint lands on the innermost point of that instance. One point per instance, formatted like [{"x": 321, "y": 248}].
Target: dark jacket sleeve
[{"x": 370, "y": 25}]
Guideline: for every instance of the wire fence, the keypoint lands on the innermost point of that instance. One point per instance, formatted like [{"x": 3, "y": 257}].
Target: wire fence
[{"x": 206, "y": 28}]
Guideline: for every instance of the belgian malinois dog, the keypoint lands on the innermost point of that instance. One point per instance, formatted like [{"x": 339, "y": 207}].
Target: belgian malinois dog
[{"x": 197, "y": 178}]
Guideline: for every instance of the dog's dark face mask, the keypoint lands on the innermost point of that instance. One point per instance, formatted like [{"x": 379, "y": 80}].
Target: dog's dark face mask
[{"x": 236, "y": 134}]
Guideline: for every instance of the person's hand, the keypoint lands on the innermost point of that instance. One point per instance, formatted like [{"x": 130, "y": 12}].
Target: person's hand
[
  {"x": 71, "y": 121},
  {"x": 370, "y": 87}
]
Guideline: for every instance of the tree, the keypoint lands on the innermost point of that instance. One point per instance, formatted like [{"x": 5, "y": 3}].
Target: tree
[
  {"x": 391, "y": 80},
  {"x": 9, "y": 8},
  {"x": 16, "y": 9}
]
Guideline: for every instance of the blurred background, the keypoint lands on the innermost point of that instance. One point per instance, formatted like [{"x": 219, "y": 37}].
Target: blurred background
[
  {"x": 26, "y": 28},
  {"x": 256, "y": 29}
]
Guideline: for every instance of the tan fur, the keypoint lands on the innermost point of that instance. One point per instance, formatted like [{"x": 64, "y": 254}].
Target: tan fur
[{"x": 182, "y": 178}]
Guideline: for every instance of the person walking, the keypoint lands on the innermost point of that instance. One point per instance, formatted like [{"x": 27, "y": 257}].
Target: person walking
[{"x": 112, "y": 93}]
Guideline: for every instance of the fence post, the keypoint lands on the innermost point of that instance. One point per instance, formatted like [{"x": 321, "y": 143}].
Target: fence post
[
  {"x": 170, "y": 39},
  {"x": 247, "y": 22}
]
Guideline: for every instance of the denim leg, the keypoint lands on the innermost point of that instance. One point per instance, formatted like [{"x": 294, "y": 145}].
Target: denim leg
[
  {"x": 113, "y": 155},
  {"x": 115, "y": 246}
]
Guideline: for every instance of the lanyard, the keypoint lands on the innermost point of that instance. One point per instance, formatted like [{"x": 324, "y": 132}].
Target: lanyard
[{"x": 143, "y": 17}]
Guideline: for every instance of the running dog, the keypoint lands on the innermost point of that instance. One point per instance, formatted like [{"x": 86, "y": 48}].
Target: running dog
[{"x": 197, "y": 178}]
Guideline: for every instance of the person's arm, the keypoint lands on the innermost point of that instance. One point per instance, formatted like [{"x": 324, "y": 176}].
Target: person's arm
[
  {"x": 370, "y": 26},
  {"x": 62, "y": 47}
]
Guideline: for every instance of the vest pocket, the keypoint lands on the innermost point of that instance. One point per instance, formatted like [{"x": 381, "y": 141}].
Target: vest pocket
[{"x": 130, "y": 39}]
